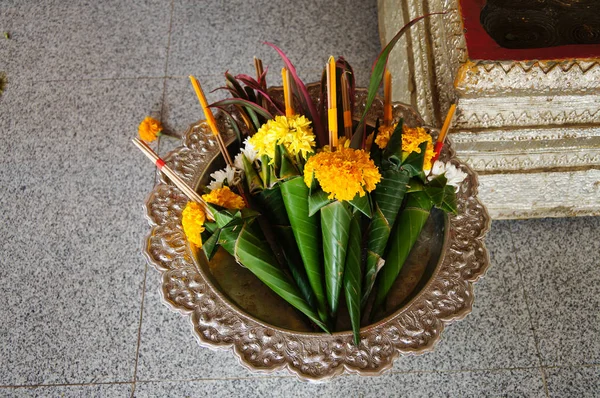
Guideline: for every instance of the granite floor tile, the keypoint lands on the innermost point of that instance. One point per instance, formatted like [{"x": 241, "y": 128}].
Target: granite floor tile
[
  {"x": 88, "y": 391},
  {"x": 224, "y": 35},
  {"x": 522, "y": 383},
  {"x": 497, "y": 334},
  {"x": 580, "y": 382},
  {"x": 71, "y": 270},
  {"x": 169, "y": 349},
  {"x": 56, "y": 39},
  {"x": 559, "y": 262}
]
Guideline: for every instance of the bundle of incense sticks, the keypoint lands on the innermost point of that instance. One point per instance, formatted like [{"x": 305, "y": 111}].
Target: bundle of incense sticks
[{"x": 179, "y": 183}]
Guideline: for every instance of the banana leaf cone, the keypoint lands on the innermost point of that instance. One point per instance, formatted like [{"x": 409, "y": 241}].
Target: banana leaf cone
[
  {"x": 336, "y": 218},
  {"x": 352, "y": 275},
  {"x": 306, "y": 230},
  {"x": 405, "y": 233},
  {"x": 247, "y": 244},
  {"x": 271, "y": 202}
]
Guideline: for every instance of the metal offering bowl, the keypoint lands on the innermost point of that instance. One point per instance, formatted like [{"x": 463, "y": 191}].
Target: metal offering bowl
[{"x": 231, "y": 309}]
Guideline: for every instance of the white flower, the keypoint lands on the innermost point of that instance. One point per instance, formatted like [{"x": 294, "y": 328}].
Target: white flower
[
  {"x": 248, "y": 151},
  {"x": 220, "y": 176},
  {"x": 454, "y": 176}
]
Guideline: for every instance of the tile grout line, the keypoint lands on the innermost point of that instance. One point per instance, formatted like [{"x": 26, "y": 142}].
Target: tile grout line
[
  {"x": 165, "y": 78},
  {"x": 139, "y": 336},
  {"x": 531, "y": 323},
  {"x": 291, "y": 376}
]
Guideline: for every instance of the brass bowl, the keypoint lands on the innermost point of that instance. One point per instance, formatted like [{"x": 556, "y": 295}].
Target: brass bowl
[{"x": 230, "y": 308}]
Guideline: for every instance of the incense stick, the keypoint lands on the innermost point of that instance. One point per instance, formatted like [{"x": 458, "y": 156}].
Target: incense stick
[
  {"x": 332, "y": 104},
  {"x": 346, "y": 106},
  {"x": 210, "y": 119},
  {"x": 287, "y": 92},
  {"x": 258, "y": 65},
  {"x": 179, "y": 183},
  {"x": 442, "y": 137},
  {"x": 387, "y": 99}
]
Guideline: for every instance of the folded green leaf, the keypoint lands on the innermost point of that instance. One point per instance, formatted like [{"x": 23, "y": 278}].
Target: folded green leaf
[
  {"x": 254, "y": 253},
  {"x": 393, "y": 150},
  {"x": 387, "y": 196},
  {"x": 307, "y": 233},
  {"x": 335, "y": 229},
  {"x": 352, "y": 277},
  {"x": 363, "y": 204},
  {"x": 209, "y": 242},
  {"x": 413, "y": 164},
  {"x": 253, "y": 181},
  {"x": 405, "y": 233}
]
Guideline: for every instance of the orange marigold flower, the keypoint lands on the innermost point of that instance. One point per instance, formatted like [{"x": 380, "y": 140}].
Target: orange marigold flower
[
  {"x": 412, "y": 138},
  {"x": 192, "y": 221},
  {"x": 343, "y": 174},
  {"x": 149, "y": 129},
  {"x": 225, "y": 197},
  {"x": 383, "y": 136}
]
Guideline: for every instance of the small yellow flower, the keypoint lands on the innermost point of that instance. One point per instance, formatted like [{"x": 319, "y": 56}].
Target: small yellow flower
[
  {"x": 343, "y": 174},
  {"x": 149, "y": 129},
  {"x": 192, "y": 220},
  {"x": 226, "y": 198},
  {"x": 293, "y": 132},
  {"x": 383, "y": 135}
]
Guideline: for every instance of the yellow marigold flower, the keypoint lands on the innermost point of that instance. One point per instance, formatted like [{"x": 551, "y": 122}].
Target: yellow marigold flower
[
  {"x": 149, "y": 129},
  {"x": 192, "y": 220},
  {"x": 343, "y": 174},
  {"x": 226, "y": 198},
  {"x": 293, "y": 132},
  {"x": 383, "y": 135},
  {"x": 412, "y": 138}
]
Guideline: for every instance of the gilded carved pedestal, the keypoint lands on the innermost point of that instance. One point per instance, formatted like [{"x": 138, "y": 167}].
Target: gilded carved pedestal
[{"x": 530, "y": 128}]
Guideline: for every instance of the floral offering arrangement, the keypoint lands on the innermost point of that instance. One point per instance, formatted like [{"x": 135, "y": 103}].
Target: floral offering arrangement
[{"x": 318, "y": 205}]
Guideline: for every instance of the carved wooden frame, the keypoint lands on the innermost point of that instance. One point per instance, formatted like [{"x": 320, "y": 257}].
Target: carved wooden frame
[{"x": 530, "y": 128}]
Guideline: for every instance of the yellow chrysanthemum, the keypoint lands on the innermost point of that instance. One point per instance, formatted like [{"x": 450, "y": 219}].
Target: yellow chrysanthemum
[
  {"x": 383, "y": 136},
  {"x": 226, "y": 198},
  {"x": 343, "y": 174},
  {"x": 412, "y": 138},
  {"x": 293, "y": 132},
  {"x": 149, "y": 129},
  {"x": 192, "y": 220}
]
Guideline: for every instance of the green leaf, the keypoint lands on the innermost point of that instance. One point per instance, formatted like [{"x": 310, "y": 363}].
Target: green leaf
[
  {"x": 287, "y": 168},
  {"x": 435, "y": 189},
  {"x": 352, "y": 277},
  {"x": 393, "y": 150},
  {"x": 254, "y": 253},
  {"x": 253, "y": 181},
  {"x": 377, "y": 77},
  {"x": 413, "y": 164},
  {"x": 363, "y": 204},
  {"x": 387, "y": 196},
  {"x": 317, "y": 200},
  {"x": 307, "y": 233},
  {"x": 335, "y": 223},
  {"x": 449, "y": 203},
  {"x": 234, "y": 86},
  {"x": 245, "y": 103},
  {"x": 404, "y": 235},
  {"x": 285, "y": 239},
  {"x": 271, "y": 204},
  {"x": 209, "y": 245}
]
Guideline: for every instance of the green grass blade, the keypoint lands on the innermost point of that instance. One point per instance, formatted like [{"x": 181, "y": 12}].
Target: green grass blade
[
  {"x": 377, "y": 77},
  {"x": 352, "y": 277},
  {"x": 307, "y": 233},
  {"x": 335, "y": 223}
]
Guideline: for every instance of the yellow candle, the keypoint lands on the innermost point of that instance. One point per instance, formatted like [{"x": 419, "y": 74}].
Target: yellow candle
[
  {"x": 210, "y": 118},
  {"x": 387, "y": 98},
  {"x": 287, "y": 92},
  {"x": 332, "y": 104}
]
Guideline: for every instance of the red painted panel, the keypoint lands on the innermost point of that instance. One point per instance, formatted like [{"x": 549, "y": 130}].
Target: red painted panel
[{"x": 481, "y": 46}]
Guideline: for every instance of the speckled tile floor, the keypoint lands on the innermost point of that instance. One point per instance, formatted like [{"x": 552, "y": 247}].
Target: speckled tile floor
[{"x": 80, "y": 313}]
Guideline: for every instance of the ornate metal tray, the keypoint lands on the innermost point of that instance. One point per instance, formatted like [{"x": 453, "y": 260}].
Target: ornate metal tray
[{"x": 229, "y": 308}]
